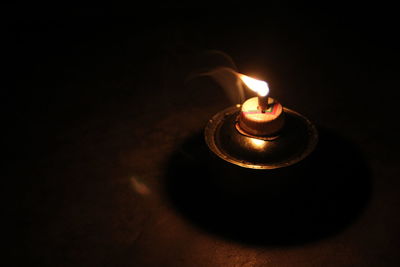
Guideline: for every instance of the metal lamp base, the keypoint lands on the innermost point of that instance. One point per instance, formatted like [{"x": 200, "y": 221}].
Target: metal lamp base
[{"x": 296, "y": 140}]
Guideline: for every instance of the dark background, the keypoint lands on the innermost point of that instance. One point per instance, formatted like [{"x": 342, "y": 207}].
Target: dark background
[{"x": 95, "y": 104}]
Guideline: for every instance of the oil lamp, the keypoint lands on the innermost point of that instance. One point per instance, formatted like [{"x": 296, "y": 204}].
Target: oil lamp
[{"x": 260, "y": 133}]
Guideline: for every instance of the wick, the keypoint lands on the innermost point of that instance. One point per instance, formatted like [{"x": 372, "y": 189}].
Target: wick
[{"x": 263, "y": 103}]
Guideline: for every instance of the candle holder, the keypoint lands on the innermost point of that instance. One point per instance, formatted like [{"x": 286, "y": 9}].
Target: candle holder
[{"x": 294, "y": 142}]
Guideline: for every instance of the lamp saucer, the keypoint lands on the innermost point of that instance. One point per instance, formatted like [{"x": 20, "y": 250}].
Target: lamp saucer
[{"x": 295, "y": 141}]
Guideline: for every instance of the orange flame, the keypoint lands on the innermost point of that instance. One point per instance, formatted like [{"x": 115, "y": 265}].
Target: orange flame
[{"x": 260, "y": 87}]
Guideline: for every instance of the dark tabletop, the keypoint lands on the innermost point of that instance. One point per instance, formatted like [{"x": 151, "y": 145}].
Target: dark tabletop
[{"x": 102, "y": 124}]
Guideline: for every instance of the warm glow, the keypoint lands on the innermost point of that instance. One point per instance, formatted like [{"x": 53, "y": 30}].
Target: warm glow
[
  {"x": 260, "y": 87},
  {"x": 139, "y": 186},
  {"x": 257, "y": 143}
]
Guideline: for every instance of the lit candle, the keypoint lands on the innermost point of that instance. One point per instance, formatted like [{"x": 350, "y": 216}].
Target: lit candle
[{"x": 262, "y": 115}]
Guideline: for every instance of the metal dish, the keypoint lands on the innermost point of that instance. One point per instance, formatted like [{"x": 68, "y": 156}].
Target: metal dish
[{"x": 296, "y": 141}]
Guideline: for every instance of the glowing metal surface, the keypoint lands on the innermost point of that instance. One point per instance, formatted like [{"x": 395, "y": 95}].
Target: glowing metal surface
[{"x": 296, "y": 141}]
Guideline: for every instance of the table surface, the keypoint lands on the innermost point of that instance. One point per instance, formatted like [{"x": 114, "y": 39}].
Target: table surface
[{"x": 105, "y": 132}]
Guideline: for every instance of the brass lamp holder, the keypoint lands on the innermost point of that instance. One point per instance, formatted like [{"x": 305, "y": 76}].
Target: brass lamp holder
[{"x": 295, "y": 141}]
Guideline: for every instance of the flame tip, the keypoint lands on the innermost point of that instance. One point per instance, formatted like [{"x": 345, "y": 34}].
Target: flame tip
[{"x": 258, "y": 86}]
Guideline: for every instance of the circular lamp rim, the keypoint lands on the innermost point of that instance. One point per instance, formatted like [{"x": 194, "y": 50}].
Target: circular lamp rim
[{"x": 213, "y": 126}]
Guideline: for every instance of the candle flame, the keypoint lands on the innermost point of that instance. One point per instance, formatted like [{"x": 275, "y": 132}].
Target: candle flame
[{"x": 260, "y": 87}]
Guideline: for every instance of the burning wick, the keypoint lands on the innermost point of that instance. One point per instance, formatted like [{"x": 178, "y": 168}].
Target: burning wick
[
  {"x": 261, "y": 115},
  {"x": 260, "y": 87}
]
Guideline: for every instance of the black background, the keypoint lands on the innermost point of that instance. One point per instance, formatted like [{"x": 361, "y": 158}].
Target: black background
[{"x": 94, "y": 96}]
